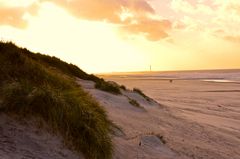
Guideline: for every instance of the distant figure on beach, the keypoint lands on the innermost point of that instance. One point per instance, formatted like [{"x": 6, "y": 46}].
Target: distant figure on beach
[{"x": 170, "y": 80}]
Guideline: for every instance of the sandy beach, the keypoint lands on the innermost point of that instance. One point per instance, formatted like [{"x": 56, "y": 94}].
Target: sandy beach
[
  {"x": 182, "y": 119},
  {"x": 185, "y": 119},
  {"x": 196, "y": 119}
]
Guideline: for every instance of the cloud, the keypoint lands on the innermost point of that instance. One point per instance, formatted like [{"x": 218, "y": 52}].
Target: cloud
[
  {"x": 219, "y": 33},
  {"x": 103, "y": 9},
  {"x": 235, "y": 39},
  {"x": 153, "y": 30},
  {"x": 132, "y": 16},
  {"x": 14, "y": 16},
  {"x": 233, "y": 7},
  {"x": 206, "y": 7},
  {"x": 182, "y": 6}
]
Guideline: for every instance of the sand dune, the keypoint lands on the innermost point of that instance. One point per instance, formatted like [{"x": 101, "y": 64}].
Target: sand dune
[
  {"x": 23, "y": 140},
  {"x": 193, "y": 124},
  {"x": 192, "y": 121}
]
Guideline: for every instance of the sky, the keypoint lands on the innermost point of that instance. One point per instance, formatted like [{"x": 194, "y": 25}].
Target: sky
[{"x": 127, "y": 35}]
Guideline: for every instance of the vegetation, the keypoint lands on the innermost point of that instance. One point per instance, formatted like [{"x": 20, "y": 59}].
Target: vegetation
[
  {"x": 141, "y": 93},
  {"x": 123, "y": 87},
  {"x": 72, "y": 70},
  {"x": 43, "y": 86},
  {"x": 107, "y": 86},
  {"x": 134, "y": 103}
]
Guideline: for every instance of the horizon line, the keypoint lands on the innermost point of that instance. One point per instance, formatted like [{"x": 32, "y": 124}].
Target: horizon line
[{"x": 183, "y": 70}]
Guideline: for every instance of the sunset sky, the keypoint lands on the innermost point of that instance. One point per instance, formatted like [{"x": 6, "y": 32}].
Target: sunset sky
[{"x": 127, "y": 35}]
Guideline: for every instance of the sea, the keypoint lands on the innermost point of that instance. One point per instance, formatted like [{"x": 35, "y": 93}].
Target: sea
[{"x": 222, "y": 76}]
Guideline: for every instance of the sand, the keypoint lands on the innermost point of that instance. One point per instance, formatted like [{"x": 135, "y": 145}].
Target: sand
[
  {"x": 23, "y": 140},
  {"x": 191, "y": 120},
  {"x": 197, "y": 119}
]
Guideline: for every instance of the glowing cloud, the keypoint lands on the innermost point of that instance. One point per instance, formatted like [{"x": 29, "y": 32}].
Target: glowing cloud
[
  {"x": 131, "y": 15},
  {"x": 169, "y": 34},
  {"x": 14, "y": 15}
]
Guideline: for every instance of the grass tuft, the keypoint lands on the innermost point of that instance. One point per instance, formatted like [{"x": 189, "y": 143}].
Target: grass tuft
[
  {"x": 137, "y": 90},
  {"x": 134, "y": 103},
  {"x": 123, "y": 87},
  {"x": 30, "y": 87},
  {"x": 107, "y": 86}
]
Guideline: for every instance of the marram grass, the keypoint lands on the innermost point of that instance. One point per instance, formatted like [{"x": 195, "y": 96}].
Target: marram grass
[{"x": 32, "y": 87}]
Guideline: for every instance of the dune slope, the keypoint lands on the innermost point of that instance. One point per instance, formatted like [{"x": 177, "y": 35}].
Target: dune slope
[
  {"x": 35, "y": 85},
  {"x": 165, "y": 131},
  {"x": 25, "y": 140}
]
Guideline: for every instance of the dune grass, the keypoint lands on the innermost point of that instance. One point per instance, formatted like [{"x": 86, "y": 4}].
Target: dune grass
[
  {"x": 137, "y": 90},
  {"x": 29, "y": 87},
  {"x": 108, "y": 87},
  {"x": 73, "y": 70},
  {"x": 134, "y": 103}
]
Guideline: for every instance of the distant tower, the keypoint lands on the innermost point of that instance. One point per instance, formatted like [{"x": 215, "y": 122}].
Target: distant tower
[{"x": 150, "y": 68}]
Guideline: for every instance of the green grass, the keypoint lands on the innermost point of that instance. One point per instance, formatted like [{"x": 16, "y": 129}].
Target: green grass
[
  {"x": 72, "y": 70},
  {"x": 137, "y": 90},
  {"x": 30, "y": 87}
]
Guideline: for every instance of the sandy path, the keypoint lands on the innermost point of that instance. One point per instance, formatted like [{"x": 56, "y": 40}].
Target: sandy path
[
  {"x": 23, "y": 140},
  {"x": 198, "y": 120}
]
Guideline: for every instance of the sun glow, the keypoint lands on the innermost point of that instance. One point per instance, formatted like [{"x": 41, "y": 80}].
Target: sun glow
[
  {"x": 125, "y": 14},
  {"x": 129, "y": 38},
  {"x": 94, "y": 46},
  {"x": 17, "y": 3}
]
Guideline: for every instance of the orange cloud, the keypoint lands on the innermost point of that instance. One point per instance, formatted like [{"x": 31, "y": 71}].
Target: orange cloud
[
  {"x": 235, "y": 38},
  {"x": 132, "y": 16},
  {"x": 153, "y": 30},
  {"x": 111, "y": 10},
  {"x": 14, "y": 16},
  {"x": 102, "y": 9}
]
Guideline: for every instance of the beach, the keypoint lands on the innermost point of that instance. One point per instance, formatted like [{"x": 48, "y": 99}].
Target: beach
[
  {"x": 176, "y": 115},
  {"x": 197, "y": 118},
  {"x": 212, "y": 103}
]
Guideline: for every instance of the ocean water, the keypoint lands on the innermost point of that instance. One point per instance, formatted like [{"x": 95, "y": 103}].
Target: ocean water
[{"x": 224, "y": 76}]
